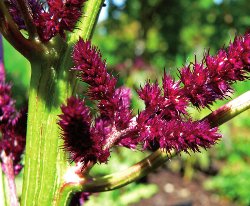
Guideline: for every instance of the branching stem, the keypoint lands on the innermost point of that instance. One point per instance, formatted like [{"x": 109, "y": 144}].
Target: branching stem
[
  {"x": 28, "y": 18},
  {"x": 159, "y": 157}
]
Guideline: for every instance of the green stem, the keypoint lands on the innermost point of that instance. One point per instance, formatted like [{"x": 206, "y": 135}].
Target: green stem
[
  {"x": 44, "y": 161},
  {"x": 51, "y": 84},
  {"x": 229, "y": 110},
  {"x": 88, "y": 21},
  {"x": 3, "y": 188},
  {"x": 135, "y": 172}
]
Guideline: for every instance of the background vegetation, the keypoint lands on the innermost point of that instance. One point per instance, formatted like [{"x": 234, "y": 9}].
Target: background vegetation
[{"x": 140, "y": 39}]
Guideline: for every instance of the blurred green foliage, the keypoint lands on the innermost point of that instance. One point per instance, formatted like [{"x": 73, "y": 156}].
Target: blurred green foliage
[
  {"x": 233, "y": 179},
  {"x": 17, "y": 72}
]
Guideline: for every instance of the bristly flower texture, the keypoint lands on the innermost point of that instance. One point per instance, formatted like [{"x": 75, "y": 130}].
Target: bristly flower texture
[
  {"x": 12, "y": 128},
  {"x": 51, "y": 17},
  {"x": 12, "y": 124},
  {"x": 165, "y": 122}
]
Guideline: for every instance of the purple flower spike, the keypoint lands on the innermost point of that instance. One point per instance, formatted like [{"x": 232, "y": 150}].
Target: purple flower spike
[
  {"x": 175, "y": 134},
  {"x": 92, "y": 70},
  {"x": 113, "y": 104},
  {"x": 211, "y": 80},
  {"x": 12, "y": 125},
  {"x": 79, "y": 140},
  {"x": 57, "y": 17},
  {"x": 175, "y": 103}
]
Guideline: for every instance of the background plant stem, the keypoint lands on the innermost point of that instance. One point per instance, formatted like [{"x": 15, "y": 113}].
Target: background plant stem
[{"x": 3, "y": 188}]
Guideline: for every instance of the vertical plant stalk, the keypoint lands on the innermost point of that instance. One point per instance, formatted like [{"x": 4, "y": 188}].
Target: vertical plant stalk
[
  {"x": 9, "y": 171},
  {"x": 51, "y": 83}
]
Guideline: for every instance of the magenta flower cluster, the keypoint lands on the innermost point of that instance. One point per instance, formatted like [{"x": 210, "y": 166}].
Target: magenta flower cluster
[
  {"x": 50, "y": 17},
  {"x": 165, "y": 122},
  {"x": 211, "y": 80},
  {"x": 12, "y": 128},
  {"x": 12, "y": 123}
]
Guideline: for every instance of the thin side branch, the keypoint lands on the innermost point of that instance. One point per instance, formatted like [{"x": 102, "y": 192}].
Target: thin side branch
[
  {"x": 156, "y": 159},
  {"x": 229, "y": 110},
  {"x": 135, "y": 172},
  {"x": 28, "y": 18},
  {"x": 9, "y": 30}
]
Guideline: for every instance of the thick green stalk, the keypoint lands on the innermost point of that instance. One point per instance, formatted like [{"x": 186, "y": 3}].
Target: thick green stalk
[
  {"x": 45, "y": 162},
  {"x": 51, "y": 83}
]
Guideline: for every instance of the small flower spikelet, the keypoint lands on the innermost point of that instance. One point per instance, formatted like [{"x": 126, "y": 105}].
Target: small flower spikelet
[
  {"x": 75, "y": 125},
  {"x": 113, "y": 104},
  {"x": 211, "y": 80},
  {"x": 51, "y": 17},
  {"x": 165, "y": 122},
  {"x": 60, "y": 16},
  {"x": 7, "y": 105}
]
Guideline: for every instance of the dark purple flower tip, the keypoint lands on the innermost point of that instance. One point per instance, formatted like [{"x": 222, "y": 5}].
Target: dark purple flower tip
[
  {"x": 205, "y": 83},
  {"x": 75, "y": 126},
  {"x": 174, "y": 134},
  {"x": 83, "y": 142},
  {"x": 92, "y": 70},
  {"x": 79, "y": 198}
]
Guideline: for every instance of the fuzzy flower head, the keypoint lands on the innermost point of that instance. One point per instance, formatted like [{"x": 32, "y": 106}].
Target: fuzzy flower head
[
  {"x": 165, "y": 122},
  {"x": 76, "y": 133},
  {"x": 51, "y": 17},
  {"x": 92, "y": 70},
  {"x": 206, "y": 82}
]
